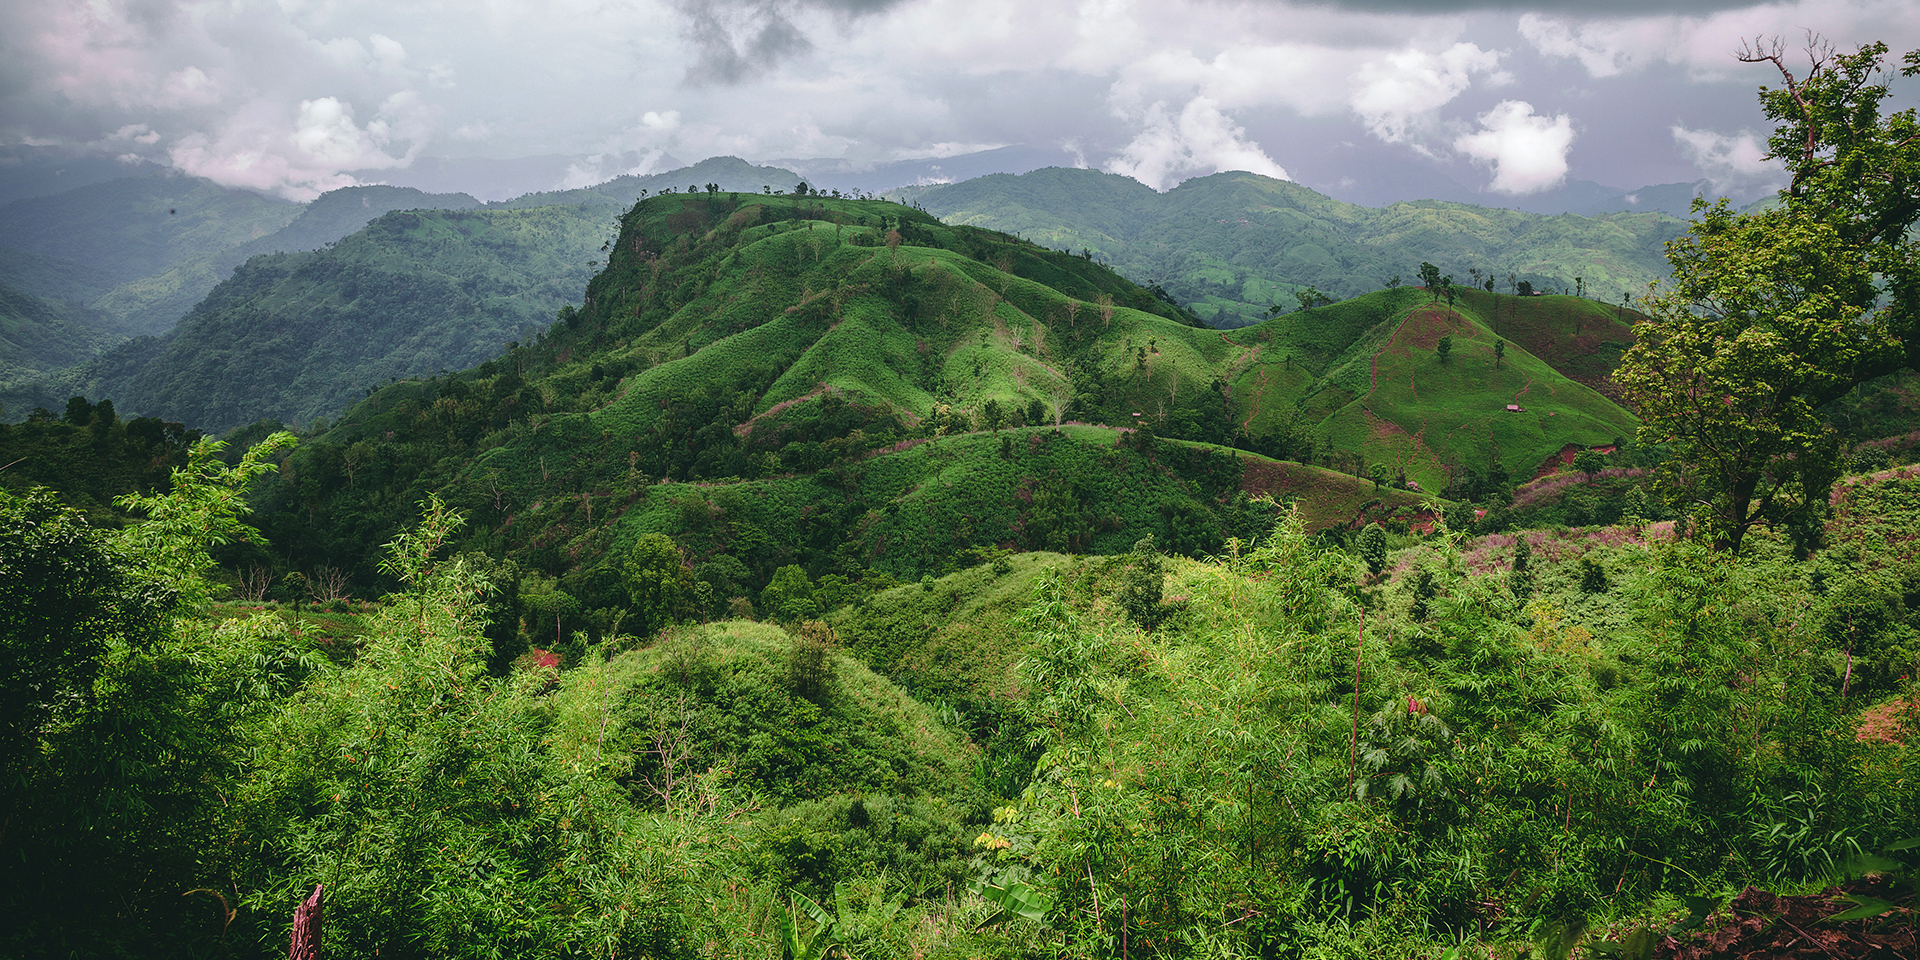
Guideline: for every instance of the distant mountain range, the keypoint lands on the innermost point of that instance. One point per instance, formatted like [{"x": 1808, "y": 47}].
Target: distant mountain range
[
  {"x": 1363, "y": 178},
  {"x": 124, "y": 257},
  {"x": 369, "y": 284},
  {"x": 1233, "y": 244}
]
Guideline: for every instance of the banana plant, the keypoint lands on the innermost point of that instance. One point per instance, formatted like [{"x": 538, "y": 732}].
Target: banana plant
[
  {"x": 1014, "y": 899},
  {"x": 819, "y": 945}
]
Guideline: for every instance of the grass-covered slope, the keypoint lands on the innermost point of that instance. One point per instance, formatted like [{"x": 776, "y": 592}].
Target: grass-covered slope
[
  {"x": 1367, "y": 376},
  {"x": 1230, "y": 244},
  {"x": 292, "y": 337}
]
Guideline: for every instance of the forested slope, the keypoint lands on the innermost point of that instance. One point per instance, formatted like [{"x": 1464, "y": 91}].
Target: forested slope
[{"x": 296, "y": 336}]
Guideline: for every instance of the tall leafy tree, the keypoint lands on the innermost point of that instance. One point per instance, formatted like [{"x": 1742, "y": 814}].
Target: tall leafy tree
[
  {"x": 659, "y": 583},
  {"x": 1771, "y": 314}
]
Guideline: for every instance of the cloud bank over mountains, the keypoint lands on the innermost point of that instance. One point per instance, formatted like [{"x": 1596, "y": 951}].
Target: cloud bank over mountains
[{"x": 296, "y": 97}]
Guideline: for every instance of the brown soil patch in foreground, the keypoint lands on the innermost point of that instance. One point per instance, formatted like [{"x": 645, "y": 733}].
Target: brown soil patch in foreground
[{"x": 1758, "y": 924}]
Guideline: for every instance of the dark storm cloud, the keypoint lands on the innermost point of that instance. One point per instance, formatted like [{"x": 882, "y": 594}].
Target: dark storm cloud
[
  {"x": 735, "y": 41},
  {"x": 1584, "y": 9}
]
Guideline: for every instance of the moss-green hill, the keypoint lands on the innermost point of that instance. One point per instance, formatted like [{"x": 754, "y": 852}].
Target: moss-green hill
[
  {"x": 1367, "y": 377},
  {"x": 728, "y": 695}
]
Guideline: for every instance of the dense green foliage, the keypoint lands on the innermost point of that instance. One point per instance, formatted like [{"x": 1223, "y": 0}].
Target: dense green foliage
[
  {"x": 39, "y": 335},
  {"x": 90, "y": 455},
  {"x": 1272, "y": 753},
  {"x": 1232, "y": 244}
]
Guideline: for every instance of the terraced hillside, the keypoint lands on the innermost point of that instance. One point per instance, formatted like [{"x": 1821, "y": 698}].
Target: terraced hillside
[{"x": 1366, "y": 378}]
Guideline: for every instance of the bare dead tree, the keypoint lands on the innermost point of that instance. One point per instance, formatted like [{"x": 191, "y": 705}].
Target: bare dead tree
[
  {"x": 1819, "y": 57},
  {"x": 327, "y": 583},
  {"x": 254, "y": 581},
  {"x": 670, "y": 744}
]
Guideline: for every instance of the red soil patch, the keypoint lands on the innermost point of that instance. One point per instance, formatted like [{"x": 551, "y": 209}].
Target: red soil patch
[
  {"x": 776, "y": 409},
  {"x": 1384, "y": 429},
  {"x": 1430, "y": 323},
  {"x": 1328, "y": 499},
  {"x": 1888, "y": 723},
  {"x": 1758, "y": 924}
]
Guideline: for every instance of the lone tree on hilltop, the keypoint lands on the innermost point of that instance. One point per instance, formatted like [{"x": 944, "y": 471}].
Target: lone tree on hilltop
[{"x": 1430, "y": 278}]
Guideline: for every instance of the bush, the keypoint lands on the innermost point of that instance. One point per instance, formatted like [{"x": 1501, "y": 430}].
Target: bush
[{"x": 1373, "y": 548}]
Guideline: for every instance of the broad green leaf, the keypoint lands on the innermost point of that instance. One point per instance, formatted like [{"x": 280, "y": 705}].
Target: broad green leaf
[{"x": 1864, "y": 908}]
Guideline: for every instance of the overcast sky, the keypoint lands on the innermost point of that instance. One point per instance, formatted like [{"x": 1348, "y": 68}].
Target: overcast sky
[{"x": 299, "y": 96}]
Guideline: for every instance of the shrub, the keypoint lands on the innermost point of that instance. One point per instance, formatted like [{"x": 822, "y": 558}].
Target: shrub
[{"x": 810, "y": 661}]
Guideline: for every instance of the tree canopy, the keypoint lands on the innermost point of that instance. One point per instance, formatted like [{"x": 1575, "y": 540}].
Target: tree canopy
[{"x": 1771, "y": 314}]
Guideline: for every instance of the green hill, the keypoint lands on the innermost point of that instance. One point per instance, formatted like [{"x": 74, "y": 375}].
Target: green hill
[
  {"x": 1365, "y": 378},
  {"x": 135, "y": 227},
  {"x": 144, "y": 251},
  {"x": 296, "y": 336},
  {"x": 135, "y": 255},
  {"x": 38, "y": 335},
  {"x": 854, "y": 388},
  {"x": 1230, "y": 244},
  {"x": 732, "y": 174}
]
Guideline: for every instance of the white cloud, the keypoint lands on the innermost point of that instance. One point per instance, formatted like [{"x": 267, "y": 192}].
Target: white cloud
[
  {"x": 1528, "y": 153},
  {"x": 1400, "y": 90},
  {"x": 1200, "y": 139},
  {"x": 187, "y": 87},
  {"x": 388, "y": 52},
  {"x": 223, "y": 83},
  {"x": 136, "y": 132},
  {"x": 1734, "y": 164},
  {"x": 1602, "y": 48}
]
